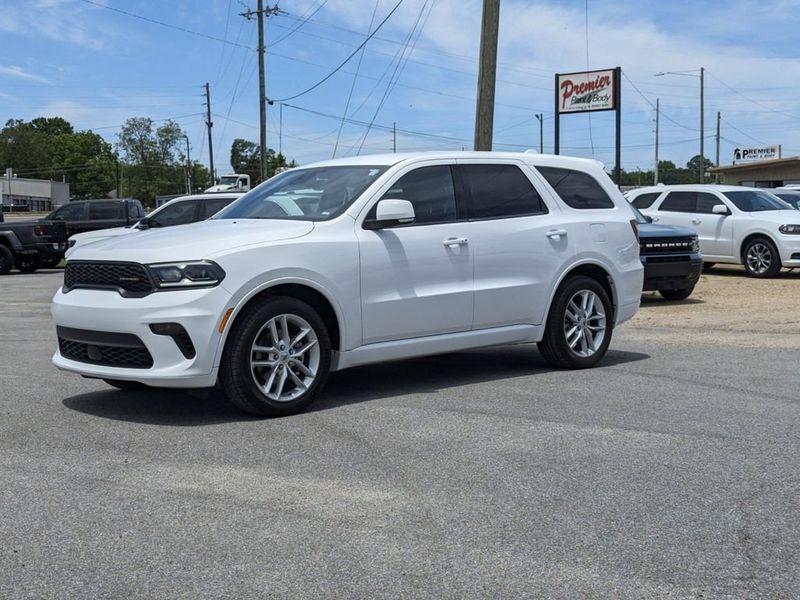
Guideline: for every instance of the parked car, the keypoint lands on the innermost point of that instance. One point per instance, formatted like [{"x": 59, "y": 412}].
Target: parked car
[
  {"x": 394, "y": 256},
  {"x": 89, "y": 215},
  {"x": 788, "y": 195},
  {"x": 178, "y": 211},
  {"x": 29, "y": 245},
  {"x": 737, "y": 225},
  {"x": 671, "y": 258}
]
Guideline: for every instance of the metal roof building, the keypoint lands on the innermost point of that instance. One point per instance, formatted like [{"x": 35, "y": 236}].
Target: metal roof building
[
  {"x": 764, "y": 173},
  {"x": 32, "y": 194}
]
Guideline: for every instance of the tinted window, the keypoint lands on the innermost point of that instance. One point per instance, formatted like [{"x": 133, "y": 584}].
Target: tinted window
[
  {"x": 134, "y": 212},
  {"x": 645, "y": 200},
  {"x": 99, "y": 211},
  {"x": 791, "y": 198},
  {"x": 754, "y": 201},
  {"x": 430, "y": 190},
  {"x": 315, "y": 194},
  {"x": 680, "y": 202},
  {"x": 70, "y": 212},
  {"x": 576, "y": 189},
  {"x": 179, "y": 213},
  {"x": 499, "y": 191},
  {"x": 213, "y": 205},
  {"x": 706, "y": 202}
]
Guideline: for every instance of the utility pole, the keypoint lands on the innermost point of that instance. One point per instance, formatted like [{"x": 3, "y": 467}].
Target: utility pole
[
  {"x": 716, "y": 175},
  {"x": 209, "y": 125},
  {"x": 540, "y": 118},
  {"x": 655, "y": 171},
  {"x": 394, "y": 137},
  {"x": 188, "y": 166},
  {"x": 280, "y": 129},
  {"x": 262, "y": 94},
  {"x": 702, "y": 127},
  {"x": 487, "y": 73}
]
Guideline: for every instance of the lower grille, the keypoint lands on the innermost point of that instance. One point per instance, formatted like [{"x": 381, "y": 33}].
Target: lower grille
[{"x": 109, "y": 349}]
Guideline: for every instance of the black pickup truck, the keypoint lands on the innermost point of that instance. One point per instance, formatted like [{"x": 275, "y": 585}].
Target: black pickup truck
[
  {"x": 90, "y": 215},
  {"x": 29, "y": 245},
  {"x": 670, "y": 256}
]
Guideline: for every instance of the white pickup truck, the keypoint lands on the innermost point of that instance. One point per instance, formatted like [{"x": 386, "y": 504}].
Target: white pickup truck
[{"x": 231, "y": 182}]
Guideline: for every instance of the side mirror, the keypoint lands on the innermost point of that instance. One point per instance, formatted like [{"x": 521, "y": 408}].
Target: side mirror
[
  {"x": 391, "y": 212},
  {"x": 720, "y": 209},
  {"x": 648, "y": 218}
]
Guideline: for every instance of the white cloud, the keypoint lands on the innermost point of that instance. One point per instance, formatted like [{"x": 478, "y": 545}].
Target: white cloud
[{"x": 20, "y": 73}]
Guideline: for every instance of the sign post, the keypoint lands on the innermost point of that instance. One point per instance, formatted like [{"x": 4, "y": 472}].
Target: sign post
[{"x": 590, "y": 91}]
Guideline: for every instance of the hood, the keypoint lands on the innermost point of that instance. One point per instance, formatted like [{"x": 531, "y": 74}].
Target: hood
[
  {"x": 651, "y": 230},
  {"x": 220, "y": 188},
  {"x": 204, "y": 239},
  {"x": 99, "y": 234},
  {"x": 779, "y": 217}
]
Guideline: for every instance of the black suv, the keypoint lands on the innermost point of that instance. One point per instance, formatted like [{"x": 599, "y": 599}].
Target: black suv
[
  {"x": 89, "y": 215},
  {"x": 28, "y": 245},
  {"x": 671, "y": 258}
]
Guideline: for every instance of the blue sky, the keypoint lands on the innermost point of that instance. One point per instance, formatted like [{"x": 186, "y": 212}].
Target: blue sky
[{"x": 97, "y": 67}]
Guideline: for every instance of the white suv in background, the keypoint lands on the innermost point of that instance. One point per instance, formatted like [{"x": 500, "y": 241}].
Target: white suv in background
[
  {"x": 735, "y": 224},
  {"x": 356, "y": 261},
  {"x": 178, "y": 211}
]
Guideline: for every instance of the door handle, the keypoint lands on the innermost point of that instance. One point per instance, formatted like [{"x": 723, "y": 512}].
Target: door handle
[
  {"x": 555, "y": 234},
  {"x": 655, "y": 219},
  {"x": 696, "y": 221},
  {"x": 455, "y": 241}
]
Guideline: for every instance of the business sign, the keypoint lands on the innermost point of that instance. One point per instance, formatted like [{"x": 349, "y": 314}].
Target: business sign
[
  {"x": 745, "y": 155},
  {"x": 586, "y": 91}
]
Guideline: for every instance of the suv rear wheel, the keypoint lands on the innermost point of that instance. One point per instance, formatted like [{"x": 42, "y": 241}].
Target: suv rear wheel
[
  {"x": 761, "y": 258},
  {"x": 579, "y": 325},
  {"x": 277, "y": 358}
]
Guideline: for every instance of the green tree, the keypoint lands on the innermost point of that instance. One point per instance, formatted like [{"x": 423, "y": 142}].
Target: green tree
[
  {"x": 246, "y": 159},
  {"x": 693, "y": 168}
]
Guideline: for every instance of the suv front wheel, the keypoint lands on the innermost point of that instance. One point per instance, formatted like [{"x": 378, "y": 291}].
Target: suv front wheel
[
  {"x": 277, "y": 358},
  {"x": 579, "y": 325},
  {"x": 761, "y": 258}
]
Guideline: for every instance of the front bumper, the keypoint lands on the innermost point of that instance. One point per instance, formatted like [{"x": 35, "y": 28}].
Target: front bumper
[
  {"x": 789, "y": 249},
  {"x": 671, "y": 272},
  {"x": 51, "y": 250},
  {"x": 198, "y": 311}
]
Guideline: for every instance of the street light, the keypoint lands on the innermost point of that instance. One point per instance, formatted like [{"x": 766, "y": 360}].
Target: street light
[
  {"x": 702, "y": 106},
  {"x": 188, "y": 166},
  {"x": 540, "y": 118}
]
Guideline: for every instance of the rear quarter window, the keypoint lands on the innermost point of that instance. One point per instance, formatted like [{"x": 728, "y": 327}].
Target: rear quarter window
[
  {"x": 576, "y": 188},
  {"x": 645, "y": 200}
]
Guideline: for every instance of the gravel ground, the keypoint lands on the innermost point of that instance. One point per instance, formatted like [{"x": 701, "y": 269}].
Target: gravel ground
[{"x": 671, "y": 471}]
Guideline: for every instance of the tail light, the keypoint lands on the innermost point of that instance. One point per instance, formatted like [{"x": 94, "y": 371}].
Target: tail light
[
  {"x": 635, "y": 229},
  {"x": 38, "y": 229}
]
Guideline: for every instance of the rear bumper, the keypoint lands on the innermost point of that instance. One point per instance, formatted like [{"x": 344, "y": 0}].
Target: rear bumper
[{"x": 671, "y": 272}]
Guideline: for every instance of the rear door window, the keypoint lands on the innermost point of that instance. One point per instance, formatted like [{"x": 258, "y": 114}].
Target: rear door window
[
  {"x": 496, "y": 191},
  {"x": 680, "y": 202},
  {"x": 103, "y": 211},
  {"x": 576, "y": 188}
]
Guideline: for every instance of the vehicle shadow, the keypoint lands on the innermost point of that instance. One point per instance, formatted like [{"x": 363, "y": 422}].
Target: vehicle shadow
[
  {"x": 655, "y": 299},
  {"x": 362, "y": 384},
  {"x": 738, "y": 271}
]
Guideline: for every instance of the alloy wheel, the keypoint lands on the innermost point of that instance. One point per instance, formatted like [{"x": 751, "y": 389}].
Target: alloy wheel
[
  {"x": 585, "y": 323},
  {"x": 285, "y": 357},
  {"x": 759, "y": 258}
]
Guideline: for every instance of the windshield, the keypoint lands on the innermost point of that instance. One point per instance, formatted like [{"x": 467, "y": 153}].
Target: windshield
[
  {"x": 228, "y": 180},
  {"x": 755, "y": 201},
  {"x": 315, "y": 194},
  {"x": 792, "y": 198}
]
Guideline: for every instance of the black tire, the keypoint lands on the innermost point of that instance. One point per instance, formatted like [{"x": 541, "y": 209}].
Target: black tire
[
  {"x": 239, "y": 382},
  {"x": 6, "y": 260},
  {"x": 707, "y": 266},
  {"x": 554, "y": 346},
  {"x": 128, "y": 386},
  {"x": 769, "y": 251},
  {"x": 682, "y": 294},
  {"x": 27, "y": 264}
]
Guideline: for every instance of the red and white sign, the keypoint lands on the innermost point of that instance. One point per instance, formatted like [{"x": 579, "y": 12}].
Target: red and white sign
[{"x": 587, "y": 91}]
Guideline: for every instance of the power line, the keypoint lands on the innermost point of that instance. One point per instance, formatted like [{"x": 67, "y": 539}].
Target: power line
[
  {"x": 653, "y": 106},
  {"x": 332, "y": 73},
  {"x": 302, "y": 22},
  {"x": 732, "y": 126},
  {"x": 163, "y": 24}
]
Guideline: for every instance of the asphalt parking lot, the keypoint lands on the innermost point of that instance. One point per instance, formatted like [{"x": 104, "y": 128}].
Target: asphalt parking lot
[{"x": 669, "y": 472}]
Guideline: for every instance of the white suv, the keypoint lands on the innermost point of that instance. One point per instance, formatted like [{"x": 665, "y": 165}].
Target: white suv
[
  {"x": 357, "y": 261},
  {"x": 735, "y": 224}
]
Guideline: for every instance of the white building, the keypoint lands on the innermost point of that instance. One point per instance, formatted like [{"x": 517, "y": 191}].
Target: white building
[{"x": 35, "y": 194}]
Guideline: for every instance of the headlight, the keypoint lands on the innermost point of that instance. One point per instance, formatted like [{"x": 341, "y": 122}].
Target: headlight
[
  {"x": 795, "y": 229},
  {"x": 695, "y": 244},
  {"x": 190, "y": 274}
]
